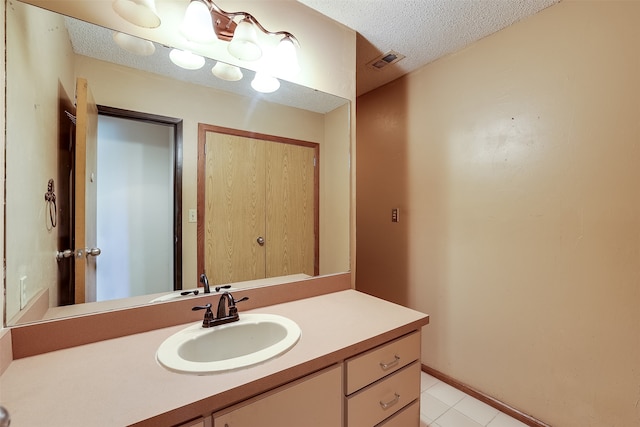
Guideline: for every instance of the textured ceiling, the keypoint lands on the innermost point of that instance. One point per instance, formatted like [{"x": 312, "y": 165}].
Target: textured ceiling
[{"x": 422, "y": 30}]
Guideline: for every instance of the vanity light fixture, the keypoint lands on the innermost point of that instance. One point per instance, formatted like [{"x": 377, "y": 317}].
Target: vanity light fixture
[
  {"x": 204, "y": 22},
  {"x": 240, "y": 30},
  {"x": 186, "y": 59},
  {"x": 138, "y": 12}
]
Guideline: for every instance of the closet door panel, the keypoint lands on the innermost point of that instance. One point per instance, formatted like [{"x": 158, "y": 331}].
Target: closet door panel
[
  {"x": 234, "y": 208},
  {"x": 290, "y": 204}
]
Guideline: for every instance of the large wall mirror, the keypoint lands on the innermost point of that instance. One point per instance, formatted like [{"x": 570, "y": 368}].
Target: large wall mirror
[{"x": 46, "y": 53}]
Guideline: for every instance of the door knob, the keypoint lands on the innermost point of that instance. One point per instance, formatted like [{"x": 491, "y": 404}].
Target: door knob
[
  {"x": 260, "y": 241},
  {"x": 68, "y": 253},
  {"x": 93, "y": 251}
]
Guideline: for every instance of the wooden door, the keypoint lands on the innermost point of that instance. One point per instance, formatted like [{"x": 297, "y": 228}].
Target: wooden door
[
  {"x": 64, "y": 190},
  {"x": 290, "y": 204},
  {"x": 85, "y": 190},
  {"x": 234, "y": 208},
  {"x": 257, "y": 206}
]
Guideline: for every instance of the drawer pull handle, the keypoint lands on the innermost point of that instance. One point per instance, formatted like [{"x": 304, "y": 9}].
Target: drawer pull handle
[
  {"x": 386, "y": 405},
  {"x": 388, "y": 365}
]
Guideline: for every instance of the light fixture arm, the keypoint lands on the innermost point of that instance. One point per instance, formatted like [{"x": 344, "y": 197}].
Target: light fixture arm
[{"x": 245, "y": 15}]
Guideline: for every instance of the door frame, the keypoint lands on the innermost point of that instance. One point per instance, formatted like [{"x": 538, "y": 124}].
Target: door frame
[
  {"x": 202, "y": 139},
  {"x": 177, "y": 124}
]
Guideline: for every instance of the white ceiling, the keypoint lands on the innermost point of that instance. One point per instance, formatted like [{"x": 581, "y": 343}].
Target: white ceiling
[{"x": 422, "y": 30}]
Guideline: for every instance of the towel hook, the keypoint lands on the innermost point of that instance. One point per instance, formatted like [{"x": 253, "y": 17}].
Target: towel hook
[{"x": 50, "y": 197}]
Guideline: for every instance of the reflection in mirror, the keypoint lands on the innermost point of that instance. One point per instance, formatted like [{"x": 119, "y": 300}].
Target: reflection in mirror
[{"x": 46, "y": 53}]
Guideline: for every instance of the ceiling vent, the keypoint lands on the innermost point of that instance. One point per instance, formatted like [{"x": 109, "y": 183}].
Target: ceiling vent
[{"x": 385, "y": 59}]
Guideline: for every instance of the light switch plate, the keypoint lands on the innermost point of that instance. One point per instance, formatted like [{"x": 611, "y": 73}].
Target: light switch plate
[{"x": 193, "y": 217}]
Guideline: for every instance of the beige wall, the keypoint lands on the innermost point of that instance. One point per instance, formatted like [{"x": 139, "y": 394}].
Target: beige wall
[
  {"x": 335, "y": 175},
  {"x": 516, "y": 167},
  {"x": 40, "y": 66}
]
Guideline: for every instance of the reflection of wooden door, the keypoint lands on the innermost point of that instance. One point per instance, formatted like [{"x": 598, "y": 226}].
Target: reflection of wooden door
[
  {"x": 234, "y": 208},
  {"x": 64, "y": 189},
  {"x": 289, "y": 209},
  {"x": 85, "y": 192},
  {"x": 260, "y": 208}
]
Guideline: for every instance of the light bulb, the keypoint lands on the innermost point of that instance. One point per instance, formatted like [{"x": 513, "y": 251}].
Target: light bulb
[
  {"x": 227, "y": 72},
  {"x": 139, "y": 12},
  {"x": 265, "y": 83},
  {"x": 244, "y": 44},
  {"x": 197, "y": 25},
  {"x": 186, "y": 60},
  {"x": 286, "y": 58}
]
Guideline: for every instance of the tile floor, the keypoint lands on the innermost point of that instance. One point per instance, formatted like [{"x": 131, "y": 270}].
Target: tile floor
[{"x": 444, "y": 406}]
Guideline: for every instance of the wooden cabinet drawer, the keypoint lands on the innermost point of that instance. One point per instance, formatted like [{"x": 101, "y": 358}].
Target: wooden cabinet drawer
[
  {"x": 408, "y": 417},
  {"x": 369, "y": 367},
  {"x": 379, "y": 401}
]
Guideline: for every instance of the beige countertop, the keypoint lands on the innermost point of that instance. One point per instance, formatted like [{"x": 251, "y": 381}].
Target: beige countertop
[{"x": 118, "y": 382}]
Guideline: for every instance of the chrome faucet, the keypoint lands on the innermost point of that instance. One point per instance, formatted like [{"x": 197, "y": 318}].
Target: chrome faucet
[
  {"x": 222, "y": 316},
  {"x": 205, "y": 282}
]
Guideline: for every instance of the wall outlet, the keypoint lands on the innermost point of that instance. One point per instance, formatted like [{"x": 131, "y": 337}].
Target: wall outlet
[
  {"x": 23, "y": 292},
  {"x": 193, "y": 217}
]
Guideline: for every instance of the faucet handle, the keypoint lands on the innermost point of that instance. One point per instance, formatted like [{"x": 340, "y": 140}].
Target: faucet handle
[
  {"x": 233, "y": 310},
  {"x": 208, "y": 315}
]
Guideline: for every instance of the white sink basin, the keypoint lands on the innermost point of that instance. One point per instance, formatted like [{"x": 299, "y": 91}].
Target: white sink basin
[{"x": 253, "y": 339}]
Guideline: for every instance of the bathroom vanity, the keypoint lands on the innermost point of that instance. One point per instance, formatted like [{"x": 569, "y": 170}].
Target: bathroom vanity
[{"x": 356, "y": 364}]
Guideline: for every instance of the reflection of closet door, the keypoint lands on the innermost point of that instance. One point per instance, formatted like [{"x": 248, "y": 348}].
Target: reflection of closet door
[
  {"x": 290, "y": 193},
  {"x": 234, "y": 208},
  {"x": 260, "y": 209}
]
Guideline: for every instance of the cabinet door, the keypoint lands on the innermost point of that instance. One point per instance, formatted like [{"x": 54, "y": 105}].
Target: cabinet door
[{"x": 313, "y": 401}]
